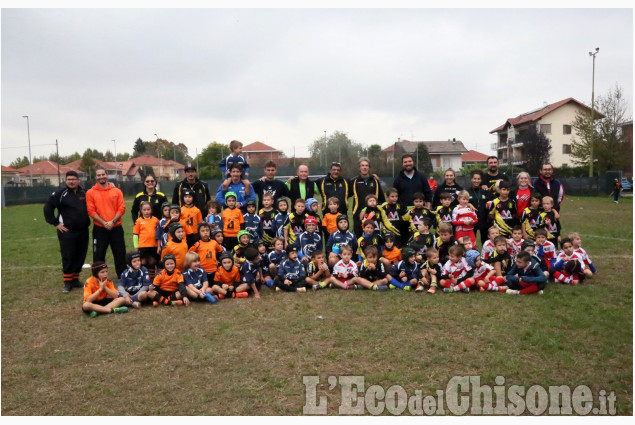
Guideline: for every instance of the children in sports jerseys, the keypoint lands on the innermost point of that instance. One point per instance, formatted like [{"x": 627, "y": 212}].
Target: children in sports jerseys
[
  {"x": 456, "y": 274},
  {"x": 345, "y": 272},
  {"x": 515, "y": 243},
  {"x": 161, "y": 233},
  {"x": 530, "y": 247},
  {"x": 530, "y": 216},
  {"x": 309, "y": 240},
  {"x": 464, "y": 218},
  {"x": 500, "y": 259},
  {"x": 549, "y": 221},
  {"x": 525, "y": 277},
  {"x": 235, "y": 157},
  {"x": 175, "y": 217},
  {"x": 394, "y": 213},
  {"x": 265, "y": 274},
  {"x": 191, "y": 215},
  {"x": 415, "y": 214},
  {"x": 233, "y": 221},
  {"x": 488, "y": 246},
  {"x": 100, "y": 295},
  {"x": 444, "y": 241},
  {"x": 195, "y": 279},
  {"x": 168, "y": 287},
  {"x": 444, "y": 211},
  {"x": 405, "y": 273},
  {"x": 430, "y": 271},
  {"x": 576, "y": 240},
  {"x": 250, "y": 273},
  {"x": 372, "y": 273},
  {"x": 217, "y": 235},
  {"x": 144, "y": 237},
  {"x": 291, "y": 273},
  {"x": 177, "y": 247},
  {"x": 483, "y": 275},
  {"x": 207, "y": 249},
  {"x": 281, "y": 217},
  {"x": 227, "y": 278},
  {"x": 317, "y": 271},
  {"x": 244, "y": 242},
  {"x": 276, "y": 256},
  {"x": 213, "y": 216},
  {"x": 342, "y": 236},
  {"x": 422, "y": 239},
  {"x": 372, "y": 212},
  {"x": 545, "y": 249},
  {"x": 312, "y": 209},
  {"x": 329, "y": 222},
  {"x": 503, "y": 210},
  {"x": 369, "y": 237},
  {"x": 135, "y": 281},
  {"x": 252, "y": 220},
  {"x": 391, "y": 253},
  {"x": 562, "y": 274},
  {"x": 267, "y": 217},
  {"x": 295, "y": 224}
]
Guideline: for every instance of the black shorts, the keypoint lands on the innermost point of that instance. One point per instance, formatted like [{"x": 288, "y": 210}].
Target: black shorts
[
  {"x": 103, "y": 302},
  {"x": 166, "y": 294},
  {"x": 210, "y": 278},
  {"x": 149, "y": 252}
]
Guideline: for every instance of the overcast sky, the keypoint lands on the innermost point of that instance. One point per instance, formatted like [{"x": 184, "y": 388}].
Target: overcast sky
[{"x": 283, "y": 77}]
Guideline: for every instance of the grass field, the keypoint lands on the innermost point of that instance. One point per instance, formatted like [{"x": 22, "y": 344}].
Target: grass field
[{"x": 248, "y": 356}]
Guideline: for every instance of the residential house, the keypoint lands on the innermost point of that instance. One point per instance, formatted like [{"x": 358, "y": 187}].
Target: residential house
[
  {"x": 257, "y": 154},
  {"x": 132, "y": 170},
  {"x": 47, "y": 173},
  {"x": 12, "y": 177},
  {"x": 554, "y": 121},
  {"x": 443, "y": 154},
  {"x": 472, "y": 157}
]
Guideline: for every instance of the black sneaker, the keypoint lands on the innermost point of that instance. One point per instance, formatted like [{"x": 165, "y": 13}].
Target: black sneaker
[
  {"x": 67, "y": 287},
  {"x": 77, "y": 284}
]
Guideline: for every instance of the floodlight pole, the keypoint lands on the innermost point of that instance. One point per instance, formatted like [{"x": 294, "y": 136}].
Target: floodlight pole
[
  {"x": 597, "y": 49},
  {"x": 28, "y": 133}
]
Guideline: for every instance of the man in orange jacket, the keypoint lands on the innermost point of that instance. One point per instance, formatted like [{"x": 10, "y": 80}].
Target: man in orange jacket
[{"x": 105, "y": 205}]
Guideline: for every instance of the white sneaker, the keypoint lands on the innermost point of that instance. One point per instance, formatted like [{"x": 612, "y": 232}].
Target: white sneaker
[{"x": 512, "y": 292}]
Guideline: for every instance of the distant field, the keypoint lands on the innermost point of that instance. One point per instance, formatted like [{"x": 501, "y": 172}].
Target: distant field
[{"x": 244, "y": 357}]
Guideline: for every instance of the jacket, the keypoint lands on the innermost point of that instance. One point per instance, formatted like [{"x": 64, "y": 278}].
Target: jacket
[
  {"x": 407, "y": 187},
  {"x": 106, "y": 203},
  {"x": 71, "y": 209}
]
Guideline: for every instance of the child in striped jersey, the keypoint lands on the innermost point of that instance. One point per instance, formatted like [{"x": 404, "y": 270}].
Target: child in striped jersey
[
  {"x": 484, "y": 274},
  {"x": 515, "y": 243},
  {"x": 488, "y": 246},
  {"x": 544, "y": 249},
  {"x": 576, "y": 239},
  {"x": 345, "y": 271},
  {"x": 161, "y": 233},
  {"x": 565, "y": 272},
  {"x": 464, "y": 218},
  {"x": 456, "y": 273},
  {"x": 530, "y": 216}
]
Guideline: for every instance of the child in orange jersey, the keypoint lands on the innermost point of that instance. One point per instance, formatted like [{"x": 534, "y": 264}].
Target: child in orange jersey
[
  {"x": 233, "y": 221},
  {"x": 206, "y": 248},
  {"x": 176, "y": 246},
  {"x": 192, "y": 216},
  {"x": 144, "y": 238},
  {"x": 227, "y": 278},
  {"x": 169, "y": 286},
  {"x": 391, "y": 252},
  {"x": 100, "y": 295},
  {"x": 329, "y": 222}
]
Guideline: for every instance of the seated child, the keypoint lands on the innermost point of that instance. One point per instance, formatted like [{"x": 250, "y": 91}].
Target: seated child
[
  {"x": 134, "y": 281},
  {"x": 483, "y": 273},
  {"x": 195, "y": 279},
  {"x": 545, "y": 250},
  {"x": 456, "y": 274},
  {"x": 576, "y": 239},
  {"x": 227, "y": 278},
  {"x": 341, "y": 237},
  {"x": 500, "y": 259},
  {"x": 250, "y": 273},
  {"x": 444, "y": 241},
  {"x": 406, "y": 272},
  {"x": 464, "y": 218},
  {"x": 372, "y": 274},
  {"x": 431, "y": 271},
  {"x": 466, "y": 243},
  {"x": 488, "y": 246},
  {"x": 530, "y": 247},
  {"x": 525, "y": 277},
  {"x": 264, "y": 269},
  {"x": 572, "y": 273},
  {"x": 100, "y": 295},
  {"x": 214, "y": 215},
  {"x": 176, "y": 246},
  {"x": 317, "y": 271},
  {"x": 515, "y": 243},
  {"x": 276, "y": 256},
  {"x": 391, "y": 252},
  {"x": 244, "y": 242},
  {"x": 168, "y": 286},
  {"x": 291, "y": 274},
  {"x": 345, "y": 272},
  {"x": 218, "y": 236}
]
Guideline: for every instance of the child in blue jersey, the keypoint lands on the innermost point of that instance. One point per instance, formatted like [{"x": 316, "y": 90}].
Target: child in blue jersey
[
  {"x": 277, "y": 256},
  {"x": 195, "y": 278},
  {"x": 213, "y": 215},
  {"x": 291, "y": 274},
  {"x": 161, "y": 233},
  {"x": 134, "y": 281},
  {"x": 342, "y": 236},
  {"x": 405, "y": 273},
  {"x": 252, "y": 220},
  {"x": 309, "y": 240},
  {"x": 250, "y": 276},
  {"x": 281, "y": 217},
  {"x": 265, "y": 272},
  {"x": 235, "y": 157}
]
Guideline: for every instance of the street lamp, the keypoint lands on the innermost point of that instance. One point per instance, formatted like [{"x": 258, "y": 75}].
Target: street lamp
[
  {"x": 597, "y": 49},
  {"x": 115, "y": 142},
  {"x": 28, "y": 133}
]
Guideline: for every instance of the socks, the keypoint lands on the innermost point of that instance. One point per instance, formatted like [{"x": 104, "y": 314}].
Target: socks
[
  {"x": 400, "y": 285},
  {"x": 269, "y": 283}
]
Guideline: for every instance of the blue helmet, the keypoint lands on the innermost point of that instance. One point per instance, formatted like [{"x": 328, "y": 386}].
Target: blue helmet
[{"x": 471, "y": 257}]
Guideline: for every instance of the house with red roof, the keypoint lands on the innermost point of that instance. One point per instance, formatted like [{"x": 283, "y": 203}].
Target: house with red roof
[
  {"x": 132, "y": 170},
  {"x": 553, "y": 120},
  {"x": 257, "y": 154},
  {"x": 472, "y": 157},
  {"x": 47, "y": 173},
  {"x": 12, "y": 177},
  {"x": 443, "y": 154}
]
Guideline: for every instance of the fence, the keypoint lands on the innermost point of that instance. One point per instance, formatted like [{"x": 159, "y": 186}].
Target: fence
[{"x": 577, "y": 186}]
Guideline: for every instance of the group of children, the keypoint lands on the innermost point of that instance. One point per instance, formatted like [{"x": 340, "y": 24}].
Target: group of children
[{"x": 232, "y": 253}]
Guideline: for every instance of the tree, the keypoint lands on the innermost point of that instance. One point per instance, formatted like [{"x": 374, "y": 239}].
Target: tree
[
  {"x": 422, "y": 158},
  {"x": 536, "y": 149},
  {"x": 208, "y": 160},
  {"x": 19, "y": 162},
  {"x": 335, "y": 148},
  {"x": 604, "y": 136},
  {"x": 139, "y": 147}
]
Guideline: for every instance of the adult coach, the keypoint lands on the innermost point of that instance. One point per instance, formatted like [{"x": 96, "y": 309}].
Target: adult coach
[
  {"x": 269, "y": 184},
  {"x": 105, "y": 206},
  {"x": 72, "y": 223},
  {"x": 301, "y": 186},
  {"x": 546, "y": 185},
  {"x": 493, "y": 176},
  {"x": 410, "y": 181},
  {"x": 191, "y": 182},
  {"x": 333, "y": 185},
  {"x": 361, "y": 186},
  {"x": 234, "y": 183},
  {"x": 150, "y": 194}
]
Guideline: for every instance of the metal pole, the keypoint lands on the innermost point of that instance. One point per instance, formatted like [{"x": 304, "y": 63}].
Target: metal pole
[
  {"x": 59, "y": 176},
  {"x": 115, "y": 142},
  {"x": 394, "y": 154},
  {"x": 28, "y": 133},
  {"x": 597, "y": 49}
]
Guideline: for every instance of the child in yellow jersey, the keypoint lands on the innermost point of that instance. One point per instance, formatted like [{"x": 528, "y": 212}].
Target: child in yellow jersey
[
  {"x": 191, "y": 215},
  {"x": 100, "y": 295}
]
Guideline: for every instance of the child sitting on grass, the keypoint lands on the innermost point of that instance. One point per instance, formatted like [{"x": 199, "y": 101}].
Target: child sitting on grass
[
  {"x": 168, "y": 287},
  {"x": 456, "y": 274},
  {"x": 226, "y": 278},
  {"x": 500, "y": 259},
  {"x": 576, "y": 240},
  {"x": 444, "y": 241},
  {"x": 342, "y": 236},
  {"x": 250, "y": 276},
  {"x": 372, "y": 274},
  {"x": 144, "y": 238},
  {"x": 195, "y": 279},
  {"x": 345, "y": 272},
  {"x": 317, "y": 271},
  {"x": 563, "y": 271},
  {"x": 525, "y": 277},
  {"x": 431, "y": 271},
  {"x": 391, "y": 253},
  {"x": 544, "y": 249},
  {"x": 291, "y": 274},
  {"x": 100, "y": 295},
  {"x": 406, "y": 272},
  {"x": 134, "y": 281}
]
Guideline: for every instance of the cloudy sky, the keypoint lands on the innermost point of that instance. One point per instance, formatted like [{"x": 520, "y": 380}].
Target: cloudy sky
[{"x": 283, "y": 76}]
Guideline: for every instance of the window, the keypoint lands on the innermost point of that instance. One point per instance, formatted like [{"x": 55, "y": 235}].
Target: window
[
  {"x": 566, "y": 149},
  {"x": 545, "y": 128},
  {"x": 566, "y": 129}
]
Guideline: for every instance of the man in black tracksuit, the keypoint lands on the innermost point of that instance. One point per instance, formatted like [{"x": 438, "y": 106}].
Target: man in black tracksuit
[
  {"x": 72, "y": 223},
  {"x": 361, "y": 186},
  {"x": 334, "y": 185},
  {"x": 191, "y": 182}
]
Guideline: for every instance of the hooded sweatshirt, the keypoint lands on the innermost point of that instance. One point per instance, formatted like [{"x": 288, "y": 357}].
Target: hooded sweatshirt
[{"x": 105, "y": 202}]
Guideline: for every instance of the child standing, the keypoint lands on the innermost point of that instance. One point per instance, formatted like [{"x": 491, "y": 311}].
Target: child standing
[
  {"x": 394, "y": 213},
  {"x": 531, "y": 216},
  {"x": 342, "y": 236},
  {"x": 503, "y": 210},
  {"x": 549, "y": 221},
  {"x": 515, "y": 243},
  {"x": 373, "y": 213},
  {"x": 233, "y": 221},
  {"x": 369, "y": 237},
  {"x": 329, "y": 222},
  {"x": 195, "y": 279},
  {"x": 291, "y": 273},
  {"x": 444, "y": 241},
  {"x": 144, "y": 237},
  {"x": 100, "y": 295},
  {"x": 281, "y": 217},
  {"x": 415, "y": 214},
  {"x": 177, "y": 247},
  {"x": 464, "y": 218},
  {"x": 191, "y": 215},
  {"x": 134, "y": 281},
  {"x": 252, "y": 221},
  {"x": 207, "y": 248},
  {"x": 244, "y": 242},
  {"x": 295, "y": 224},
  {"x": 500, "y": 259},
  {"x": 161, "y": 233},
  {"x": 213, "y": 215},
  {"x": 267, "y": 220},
  {"x": 309, "y": 240},
  {"x": 444, "y": 211},
  {"x": 488, "y": 246}
]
